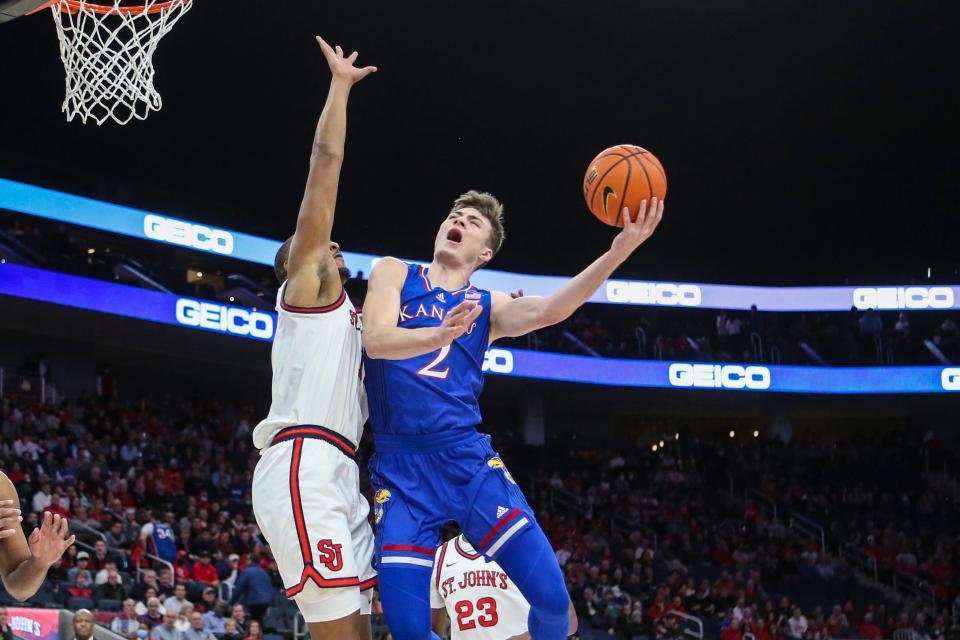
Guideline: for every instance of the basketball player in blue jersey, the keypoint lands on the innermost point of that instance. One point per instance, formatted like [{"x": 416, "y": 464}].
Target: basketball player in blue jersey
[{"x": 431, "y": 464}]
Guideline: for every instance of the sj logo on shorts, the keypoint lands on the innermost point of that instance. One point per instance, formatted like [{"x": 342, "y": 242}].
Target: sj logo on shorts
[
  {"x": 497, "y": 463},
  {"x": 330, "y": 555},
  {"x": 379, "y": 498}
]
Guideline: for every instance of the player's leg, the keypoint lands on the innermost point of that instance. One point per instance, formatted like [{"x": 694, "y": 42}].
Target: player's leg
[
  {"x": 500, "y": 524},
  {"x": 317, "y": 609},
  {"x": 530, "y": 562},
  {"x": 302, "y": 512},
  {"x": 362, "y": 536},
  {"x": 405, "y": 593},
  {"x": 406, "y": 537}
]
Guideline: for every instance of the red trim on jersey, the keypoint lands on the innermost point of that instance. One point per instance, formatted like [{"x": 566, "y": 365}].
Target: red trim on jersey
[
  {"x": 317, "y": 432},
  {"x": 409, "y": 547},
  {"x": 368, "y": 584},
  {"x": 423, "y": 276},
  {"x": 327, "y": 309},
  {"x": 462, "y": 551},
  {"x": 298, "y": 507},
  {"x": 443, "y": 553},
  {"x": 500, "y": 525},
  {"x": 309, "y": 573}
]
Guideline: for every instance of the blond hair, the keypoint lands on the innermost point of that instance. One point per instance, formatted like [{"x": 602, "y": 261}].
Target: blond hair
[{"x": 490, "y": 208}]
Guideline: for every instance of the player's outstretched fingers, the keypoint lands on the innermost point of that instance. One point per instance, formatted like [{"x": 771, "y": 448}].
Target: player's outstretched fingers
[{"x": 654, "y": 217}]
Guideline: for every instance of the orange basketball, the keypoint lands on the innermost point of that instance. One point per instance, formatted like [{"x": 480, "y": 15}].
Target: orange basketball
[{"x": 622, "y": 176}]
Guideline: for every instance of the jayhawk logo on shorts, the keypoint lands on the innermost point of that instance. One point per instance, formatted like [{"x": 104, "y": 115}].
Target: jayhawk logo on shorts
[
  {"x": 379, "y": 498},
  {"x": 497, "y": 463}
]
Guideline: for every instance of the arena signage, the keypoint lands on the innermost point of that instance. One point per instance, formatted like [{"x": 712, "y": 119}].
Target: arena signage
[
  {"x": 192, "y": 314},
  {"x": 224, "y": 318},
  {"x": 914, "y": 298},
  {"x": 64, "y": 207},
  {"x": 668, "y": 294},
  {"x": 716, "y": 376},
  {"x": 950, "y": 379},
  {"x": 186, "y": 234}
]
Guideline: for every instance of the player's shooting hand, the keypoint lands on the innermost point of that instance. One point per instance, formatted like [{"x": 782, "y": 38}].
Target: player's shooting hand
[
  {"x": 50, "y": 539},
  {"x": 10, "y": 519},
  {"x": 635, "y": 232},
  {"x": 342, "y": 66},
  {"x": 457, "y": 321}
]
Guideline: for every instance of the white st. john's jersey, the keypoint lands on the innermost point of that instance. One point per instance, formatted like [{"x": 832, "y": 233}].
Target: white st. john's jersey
[
  {"x": 317, "y": 371},
  {"x": 481, "y": 601}
]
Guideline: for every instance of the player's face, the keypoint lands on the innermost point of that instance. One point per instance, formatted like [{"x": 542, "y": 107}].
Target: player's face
[
  {"x": 463, "y": 238},
  {"x": 339, "y": 261}
]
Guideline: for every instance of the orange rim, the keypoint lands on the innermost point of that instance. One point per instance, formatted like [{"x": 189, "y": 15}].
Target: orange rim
[{"x": 76, "y": 6}]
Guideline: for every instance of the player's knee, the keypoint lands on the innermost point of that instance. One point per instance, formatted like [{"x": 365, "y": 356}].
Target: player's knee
[
  {"x": 552, "y": 599},
  {"x": 408, "y": 627}
]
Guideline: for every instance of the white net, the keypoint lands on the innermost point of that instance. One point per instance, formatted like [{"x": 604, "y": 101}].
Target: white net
[{"x": 107, "y": 52}]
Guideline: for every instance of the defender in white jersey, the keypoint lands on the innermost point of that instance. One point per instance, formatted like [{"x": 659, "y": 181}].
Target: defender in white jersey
[
  {"x": 306, "y": 493},
  {"x": 476, "y": 596}
]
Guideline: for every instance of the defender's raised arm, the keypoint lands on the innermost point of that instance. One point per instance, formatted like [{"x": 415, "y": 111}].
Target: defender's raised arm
[{"x": 311, "y": 260}]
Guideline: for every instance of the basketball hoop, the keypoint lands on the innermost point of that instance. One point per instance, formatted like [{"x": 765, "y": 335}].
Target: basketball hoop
[{"x": 107, "y": 52}]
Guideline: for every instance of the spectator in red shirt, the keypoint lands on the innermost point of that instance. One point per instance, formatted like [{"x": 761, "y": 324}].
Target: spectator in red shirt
[
  {"x": 205, "y": 572},
  {"x": 868, "y": 630},
  {"x": 80, "y": 588},
  {"x": 760, "y": 630},
  {"x": 732, "y": 632},
  {"x": 181, "y": 570}
]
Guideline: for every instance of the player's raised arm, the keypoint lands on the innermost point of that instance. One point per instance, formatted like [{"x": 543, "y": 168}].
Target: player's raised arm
[
  {"x": 519, "y": 316},
  {"x": 310, "y": 260},
  {"x": 383, "y": 339}
]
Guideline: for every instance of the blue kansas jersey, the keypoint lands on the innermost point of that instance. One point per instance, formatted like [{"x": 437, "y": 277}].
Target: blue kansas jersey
[{"x": 437, "y": 391}]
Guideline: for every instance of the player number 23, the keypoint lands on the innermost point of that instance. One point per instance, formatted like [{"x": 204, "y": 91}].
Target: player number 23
[
  {"x": 431, "y": 370},
  {"x": 486, "y": 607}
]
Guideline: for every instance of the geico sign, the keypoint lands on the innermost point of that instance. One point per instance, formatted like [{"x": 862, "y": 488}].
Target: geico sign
[
  {"x": 903, "y": 298},
  {"x": 187, "y": 234},
  {"x": 208, "y": 315},
  {"x": 661, "y": 293},
  {"x": 950, "y": 379},
  {"x": 498, "y": 361},
  {"x": 717, "y": 376}
]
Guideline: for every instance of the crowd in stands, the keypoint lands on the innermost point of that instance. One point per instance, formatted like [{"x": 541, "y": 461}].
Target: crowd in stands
[
  {"x": 698, "y": 527},
  {"x": 855, "y": 337}
]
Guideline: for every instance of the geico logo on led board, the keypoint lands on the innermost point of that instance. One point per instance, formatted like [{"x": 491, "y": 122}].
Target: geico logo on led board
[
  {"x": 903, "y": 298},
  {"x": 187, "y": 234},
  {"x": 659, "y": 293},
  {"x": 950, "y": 379},
  {"x": 498, "y": 361},
  {"x": 719, "y": 376},
  {"x": 217, "y": 317}
]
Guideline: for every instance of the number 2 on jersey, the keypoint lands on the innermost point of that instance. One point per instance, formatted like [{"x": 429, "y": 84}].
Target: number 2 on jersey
[
  {"x": 487, "y": 607},
  {"x": 431, "y": 372}
]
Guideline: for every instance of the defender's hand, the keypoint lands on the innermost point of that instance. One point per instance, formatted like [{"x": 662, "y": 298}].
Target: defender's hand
[
  {"x": 635, "y": 233},
  {"x": 342, "y": 67},
  {"x": 50, "y": 539},
  {"x": 457, "y": 322}
]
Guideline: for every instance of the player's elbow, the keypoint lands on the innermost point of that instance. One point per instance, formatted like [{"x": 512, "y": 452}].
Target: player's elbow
[
  {"x": 18, "y": 591},
  {"x": 324, "y": 152}
]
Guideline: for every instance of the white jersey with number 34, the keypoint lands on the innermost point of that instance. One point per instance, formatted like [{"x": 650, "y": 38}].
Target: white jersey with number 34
[{"x": 481, "y": 601}]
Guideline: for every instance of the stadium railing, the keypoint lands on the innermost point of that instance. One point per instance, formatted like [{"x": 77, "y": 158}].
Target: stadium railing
[
  {"x": 805, "y": 526},
  {"x": 692, "y": 625}
]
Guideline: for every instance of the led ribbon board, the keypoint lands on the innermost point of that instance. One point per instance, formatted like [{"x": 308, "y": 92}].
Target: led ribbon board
[
  {"x": 72, "y": 209},
  {"x": 131, "y": 302}
]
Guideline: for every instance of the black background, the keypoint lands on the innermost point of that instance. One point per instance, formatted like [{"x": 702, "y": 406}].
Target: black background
[{"x": 806, "y": 142}]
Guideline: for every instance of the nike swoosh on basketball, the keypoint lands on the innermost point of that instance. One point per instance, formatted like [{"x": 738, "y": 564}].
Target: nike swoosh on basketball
[{"x": 607, "y": 192}]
